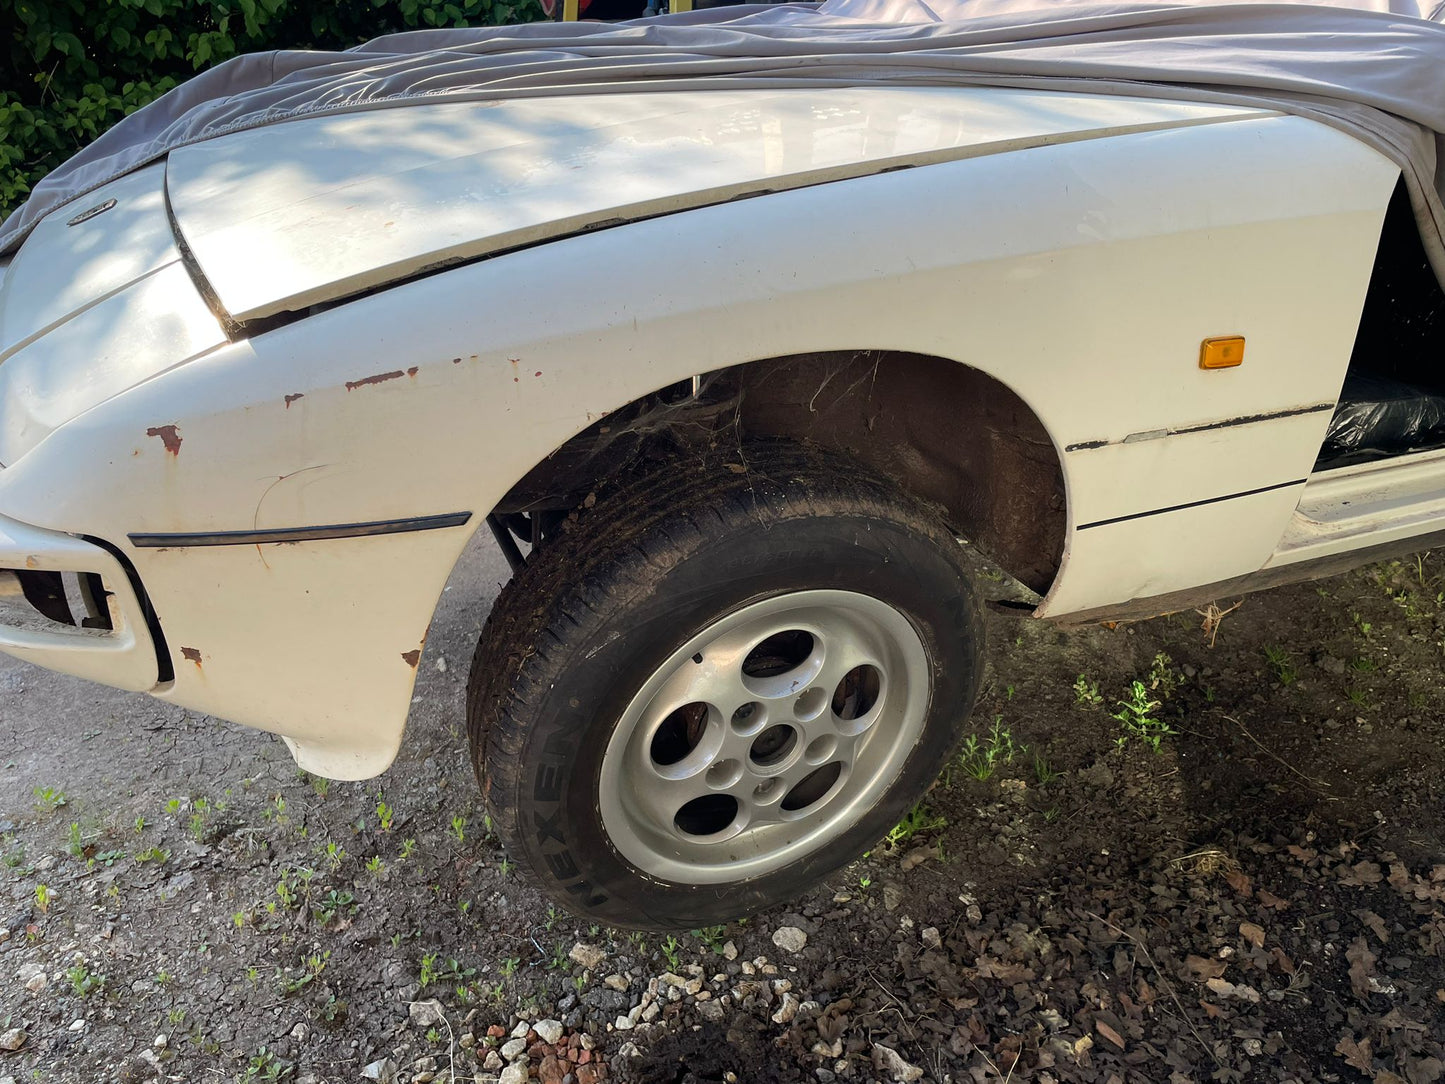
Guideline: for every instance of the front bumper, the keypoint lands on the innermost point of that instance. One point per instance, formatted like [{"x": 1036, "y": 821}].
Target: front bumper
[{"x": 123, "y": 655}]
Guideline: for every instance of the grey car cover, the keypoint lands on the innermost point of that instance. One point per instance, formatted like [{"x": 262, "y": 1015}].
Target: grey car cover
[{"x": 1375, "y": 68}]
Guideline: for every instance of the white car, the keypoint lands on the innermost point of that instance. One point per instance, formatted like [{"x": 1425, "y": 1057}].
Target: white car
[{"x": 729, "y": 373}]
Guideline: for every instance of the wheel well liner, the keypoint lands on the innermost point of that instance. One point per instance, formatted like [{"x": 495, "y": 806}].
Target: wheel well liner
[{"x": 947, "y": 432}]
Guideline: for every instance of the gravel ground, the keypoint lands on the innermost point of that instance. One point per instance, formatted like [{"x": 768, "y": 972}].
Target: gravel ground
[{"x": 1263, "y": 898}]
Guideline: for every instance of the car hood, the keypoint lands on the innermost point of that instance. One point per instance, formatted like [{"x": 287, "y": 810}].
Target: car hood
[{"x": 306, "y": 212}]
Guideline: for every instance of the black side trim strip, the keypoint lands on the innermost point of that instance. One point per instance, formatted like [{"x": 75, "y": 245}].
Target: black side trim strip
[
  {"x": 165, "y": 671},
  {"x": 1204, "y": 427},
  {"x": 300, "y": 534},
  {"x": 1190, "y": 504}
]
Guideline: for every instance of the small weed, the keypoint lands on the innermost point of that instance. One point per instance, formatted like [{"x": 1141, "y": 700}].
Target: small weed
[
  {"x": 384, "y": 814},
  {"x": 312, "y": 968},
  {"x": 163, "y": 978},
  {"x": 1358, "y": 697},
  {"x": 509, "y": 966},
  {"x": 917, "y": 820},
  {"x": 1279, "y": 661},
  {"x": 1043, "y": 772},
  {"x": 670, "y": 953},
  {"x": 459, "y": 828},
  {"x": 559, "y": 961},
  {"x": 158, "y": 855},
  {"x": 334, "y": 905},
  {"x": 1136, "y": 715},
  {"x": 49, "y": 799},
  {"x": 84, "y": 981},
  {"x": 429, "y": 970},
  {"x": 980, "y": 759},
  {"x": 374, "y": 864},
  {"x": 321, "y": 785},
  {"x": 140, "y": 825},
  {"x": 505, "y": 866},
  {"x": 335, "y": 855},
  {"x": 44, "y": 897},
  {"x": 1163, "y": 678},
  {"x": 1363, "y": 665},
  {"x": 76, "y": 843},
  {"x": 407, "y": 846},
  {"x": 264, "y": 1066},
  {"x": 712, "y": 937},
  {"x": 1087, "y": 693}
]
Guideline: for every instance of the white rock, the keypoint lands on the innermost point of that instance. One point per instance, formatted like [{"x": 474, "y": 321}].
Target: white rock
[
  {"x": 299, "y": 1033},
  {"x": 425, "y": 1014},
  {"x": 889, "y": 1062},
  {"x": 730, "y": 951},
  {"x": 649, "y": 1014},
  {"x": 931, "y": 937},
  {"x": 513, "y": 1049},
  {"x": 13, "y": 1039},
  {"x": 77, "y": 1025},
  {"x": 627, "y": 1050},
  {"x": 521, "y": 1029},
  {"x": 514, "y": 1074},
  {"x": 622, "y": 1023},
  {"x": 549, "y": 1031},
  {"x": 589, "y": 956},
  {"x": 493, "y": 1061},
  {"x": 383, "y": 1071},
  {"x": 615, "y": 982},
  {"x": 670, "y": 979},
  {"x": 790, "y": 938},
  {"x": 33, "y": 977},
  {"x": 787, "y": 1010},
  {"x": 160, "y": 1042}
]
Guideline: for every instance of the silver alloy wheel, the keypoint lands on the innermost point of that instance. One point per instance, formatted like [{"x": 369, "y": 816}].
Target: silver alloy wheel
[{"x": 764, "y": 737}]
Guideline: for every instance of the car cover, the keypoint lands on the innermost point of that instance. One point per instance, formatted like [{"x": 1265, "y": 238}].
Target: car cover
[{"x": 1375, "y": 68}]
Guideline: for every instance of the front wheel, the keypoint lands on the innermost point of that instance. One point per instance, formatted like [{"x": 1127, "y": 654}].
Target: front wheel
[{"x": 721, "y": 684}]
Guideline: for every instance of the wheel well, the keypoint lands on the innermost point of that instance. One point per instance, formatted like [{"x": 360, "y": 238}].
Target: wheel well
[{"x": 948, "y": 433}]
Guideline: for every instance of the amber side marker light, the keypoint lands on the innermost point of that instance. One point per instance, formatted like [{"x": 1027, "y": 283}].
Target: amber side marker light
[{"x": 1223, "y": 353}]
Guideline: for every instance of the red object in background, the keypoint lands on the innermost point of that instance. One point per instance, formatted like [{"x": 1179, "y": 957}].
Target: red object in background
[{"x": 550, "y": 7}]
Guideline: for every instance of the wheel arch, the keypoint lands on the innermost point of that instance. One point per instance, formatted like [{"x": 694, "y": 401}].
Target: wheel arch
[{"x": 947, "y": 432}]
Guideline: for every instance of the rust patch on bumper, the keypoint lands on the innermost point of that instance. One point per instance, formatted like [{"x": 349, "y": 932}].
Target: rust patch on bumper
[
  {"x": 379, "y": 378},
  {"x": 192, "y": 654},
  {"x": 170, "y": 437},
  {"x": 292, "y": 398},
  {"x": 412, "y": 657}
]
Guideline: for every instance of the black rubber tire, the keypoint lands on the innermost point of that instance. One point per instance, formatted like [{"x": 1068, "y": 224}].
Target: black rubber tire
[{"x": 656, "y": 559}]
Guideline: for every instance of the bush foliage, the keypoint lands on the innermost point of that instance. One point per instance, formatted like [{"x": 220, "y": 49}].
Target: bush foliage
[{"x": 72, "y": 68}]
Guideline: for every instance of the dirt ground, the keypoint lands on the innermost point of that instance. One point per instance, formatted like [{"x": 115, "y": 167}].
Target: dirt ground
[{"x": 1262, "y": 899}]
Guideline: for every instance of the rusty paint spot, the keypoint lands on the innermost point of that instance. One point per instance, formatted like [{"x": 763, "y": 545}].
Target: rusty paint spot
[
  {"x": 352, "y": 385},
  {"x": 456, "y": 361},
  {"x": 292, "y": 398},
  {"x": 32, "y": 562},
  {"x": 192, "y": 654},
  {"x": 169, "y": 435},
  {"x": 413, "y": 370},
  {"x": 537, "y": 373},
  {"x": 412, "y": 657}
]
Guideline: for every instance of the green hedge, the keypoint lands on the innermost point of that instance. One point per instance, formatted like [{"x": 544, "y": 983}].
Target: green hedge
[{"x": 72, "y": 68}]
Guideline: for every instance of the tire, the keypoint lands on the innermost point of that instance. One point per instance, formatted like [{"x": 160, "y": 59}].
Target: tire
[{"x": 612, "y": 678}]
